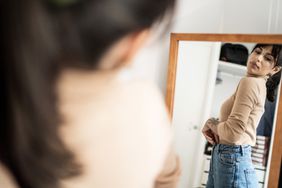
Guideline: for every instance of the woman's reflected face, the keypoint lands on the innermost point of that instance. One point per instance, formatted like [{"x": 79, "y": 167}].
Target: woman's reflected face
[{"x": 260, "y": 61}]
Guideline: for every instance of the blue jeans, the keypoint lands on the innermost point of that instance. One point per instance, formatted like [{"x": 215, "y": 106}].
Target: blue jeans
[{"x": 231, "y": 167}]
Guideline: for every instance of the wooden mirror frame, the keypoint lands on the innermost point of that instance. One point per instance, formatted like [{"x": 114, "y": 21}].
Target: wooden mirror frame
[{"x": 175, "y": 38}]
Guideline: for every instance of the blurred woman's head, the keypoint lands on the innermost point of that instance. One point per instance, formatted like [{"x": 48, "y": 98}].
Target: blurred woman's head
[{"x": 39, "y": 38}]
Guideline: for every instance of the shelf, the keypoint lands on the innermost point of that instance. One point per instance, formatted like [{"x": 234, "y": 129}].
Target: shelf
[
  {"x": 259, "y": 167},
  {"x": 231, "y": 68}
]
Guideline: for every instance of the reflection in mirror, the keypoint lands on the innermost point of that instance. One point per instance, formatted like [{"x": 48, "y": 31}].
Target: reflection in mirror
[
  {"x": 208, "y": 73},
  {"x": 239, "y": 101}
]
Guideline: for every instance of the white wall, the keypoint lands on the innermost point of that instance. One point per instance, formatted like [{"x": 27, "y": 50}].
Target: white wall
[
  {"x": 278, "y": 20},
  {"x": 251, "y": 16},
  {"x": 206, "y": 16}
]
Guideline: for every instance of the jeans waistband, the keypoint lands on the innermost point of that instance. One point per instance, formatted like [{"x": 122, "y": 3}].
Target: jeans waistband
[{"x": 242, "y": 149}]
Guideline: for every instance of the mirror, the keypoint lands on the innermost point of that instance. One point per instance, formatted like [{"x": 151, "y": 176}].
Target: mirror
[{"x": 198, "y": 83}]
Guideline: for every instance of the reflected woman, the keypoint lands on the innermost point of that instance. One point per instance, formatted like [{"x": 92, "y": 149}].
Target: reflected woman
[{"x": 235, "y": 132}]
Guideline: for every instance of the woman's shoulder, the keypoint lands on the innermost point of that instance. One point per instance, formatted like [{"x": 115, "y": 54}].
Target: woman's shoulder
[
  {"x": 253, "y": 86},
  {"x": 142, "y": 90},
  {"x": 252, "y": 82},
  {"x": 142, "y": 102},
  {"x": 136, "y": 93},
  {"x": 115, "y": 95},
  {"x": 127, "y": 118},
  {"x": 252, "y": 79}
]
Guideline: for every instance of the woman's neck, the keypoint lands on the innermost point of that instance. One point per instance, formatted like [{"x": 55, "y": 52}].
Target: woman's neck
[{"x": 265, "y": 77}]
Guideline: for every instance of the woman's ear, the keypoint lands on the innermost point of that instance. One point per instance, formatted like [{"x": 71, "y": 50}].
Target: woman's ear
[
  {"x": 275, "y": 70},
  {"x": 123, "y": 51},
  {"x": 137, "y": 40}
]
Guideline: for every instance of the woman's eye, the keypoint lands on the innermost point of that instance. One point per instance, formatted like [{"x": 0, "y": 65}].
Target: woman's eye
[
  {"x": 269, "y": 58},
  {"x": 257, "y": 51}
]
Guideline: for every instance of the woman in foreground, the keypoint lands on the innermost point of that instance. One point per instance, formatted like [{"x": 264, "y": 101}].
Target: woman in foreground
[{"x": 73, "y": 115}]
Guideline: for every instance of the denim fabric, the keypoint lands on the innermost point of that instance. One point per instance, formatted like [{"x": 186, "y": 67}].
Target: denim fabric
[{"x": 231, "y": 167}]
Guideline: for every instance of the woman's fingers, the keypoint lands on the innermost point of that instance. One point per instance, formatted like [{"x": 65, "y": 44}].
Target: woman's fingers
[{"x": 208, "y": 136}]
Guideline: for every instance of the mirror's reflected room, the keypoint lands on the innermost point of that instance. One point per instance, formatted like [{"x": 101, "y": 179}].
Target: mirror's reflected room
[{"x": 141, "y": 94}]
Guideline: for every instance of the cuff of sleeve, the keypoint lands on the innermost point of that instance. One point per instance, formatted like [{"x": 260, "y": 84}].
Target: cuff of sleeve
[
  {"x": 214, "y": 125},
  {"x": 214, "y": 128},
  {"x": 170, "y": 174}
]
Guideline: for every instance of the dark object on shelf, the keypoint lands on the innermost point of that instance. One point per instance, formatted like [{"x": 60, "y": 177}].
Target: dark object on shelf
[
  {"x": 218, "y": 78},
  {"x": 208, "y": 149},
  {"x": 234, "y": 53}
]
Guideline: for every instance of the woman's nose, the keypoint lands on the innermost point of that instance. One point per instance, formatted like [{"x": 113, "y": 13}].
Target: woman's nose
[{"x": 260, "y": 58}]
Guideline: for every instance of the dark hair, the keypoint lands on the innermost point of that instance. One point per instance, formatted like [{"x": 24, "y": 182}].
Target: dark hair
[
  {"x": 274, "y": 80},
  {"x": 38, "y": 39}
]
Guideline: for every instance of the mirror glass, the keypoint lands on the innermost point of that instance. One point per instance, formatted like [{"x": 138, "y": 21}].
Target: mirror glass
[{"x": 207, "y": 73}]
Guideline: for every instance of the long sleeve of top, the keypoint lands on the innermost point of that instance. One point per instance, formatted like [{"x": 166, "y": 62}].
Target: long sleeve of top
[
  {"x": 240, "y": 114},
  {"x": 170, "y": 174}
]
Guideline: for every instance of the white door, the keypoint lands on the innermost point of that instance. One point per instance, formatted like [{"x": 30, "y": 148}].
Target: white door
[{"x": 195, "y": 80}]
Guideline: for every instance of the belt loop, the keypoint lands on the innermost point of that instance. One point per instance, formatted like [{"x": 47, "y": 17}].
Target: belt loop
[{"x": 242, "y": 150}]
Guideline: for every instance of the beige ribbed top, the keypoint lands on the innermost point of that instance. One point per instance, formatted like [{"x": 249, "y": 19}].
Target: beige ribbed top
[
  {"x": 118, "y": 129},
  {"x": 240, "y": 114}
]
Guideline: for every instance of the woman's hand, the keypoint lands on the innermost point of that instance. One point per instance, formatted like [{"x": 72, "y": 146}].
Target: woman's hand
[{"x": 210, "y": 136}]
